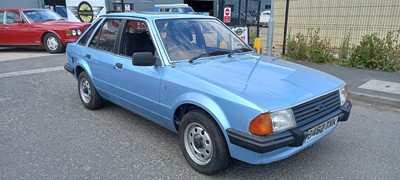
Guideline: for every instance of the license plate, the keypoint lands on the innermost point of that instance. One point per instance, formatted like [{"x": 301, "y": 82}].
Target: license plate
[{"x": 315, "y": 131}]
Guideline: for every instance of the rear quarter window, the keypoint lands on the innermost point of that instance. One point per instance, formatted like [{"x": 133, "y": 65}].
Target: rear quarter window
[
  {"x": 87, "y": 35},
  {"x": 106, "y": 35}
]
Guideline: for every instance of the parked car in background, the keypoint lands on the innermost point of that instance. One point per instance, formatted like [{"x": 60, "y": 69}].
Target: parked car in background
[
  {"x": 264, "y": 17},
  {"x": 235, "y": 19},
  {"x": 192, "y": 75},
  {"x": 38, "y": 27},
  {"x": 178, "y": 8}
]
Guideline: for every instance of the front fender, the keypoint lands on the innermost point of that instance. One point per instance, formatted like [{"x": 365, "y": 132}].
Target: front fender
[
  {"x": 207, "y": 104},
  {"x": 53, "y": 32}
]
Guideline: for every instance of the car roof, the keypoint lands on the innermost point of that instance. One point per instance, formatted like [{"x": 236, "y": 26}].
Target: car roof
[{"x": 157, "y": 15}]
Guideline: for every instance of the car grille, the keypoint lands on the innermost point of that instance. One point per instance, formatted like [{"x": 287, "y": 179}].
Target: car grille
[{"x": 316, "y": 108}]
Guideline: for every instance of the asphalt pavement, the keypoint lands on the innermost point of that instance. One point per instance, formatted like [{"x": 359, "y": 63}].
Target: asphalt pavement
[{"x": 46, "y": 133}]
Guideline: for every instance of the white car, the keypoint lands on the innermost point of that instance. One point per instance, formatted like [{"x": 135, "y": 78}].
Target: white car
[{"x": 264, "y": 17}]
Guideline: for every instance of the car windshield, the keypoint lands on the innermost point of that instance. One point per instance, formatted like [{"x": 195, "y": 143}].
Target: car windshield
[
  {"x": 188, "y": 39},
  {"x": 41, "y": 15}
]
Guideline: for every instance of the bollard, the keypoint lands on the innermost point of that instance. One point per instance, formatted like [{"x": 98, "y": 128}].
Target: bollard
[{"x": 257, "y": 45}]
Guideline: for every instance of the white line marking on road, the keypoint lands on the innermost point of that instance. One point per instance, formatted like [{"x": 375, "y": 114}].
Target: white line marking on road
[
  {"x": 33, "y": 71},
  {"x": 382, "y": 86}
]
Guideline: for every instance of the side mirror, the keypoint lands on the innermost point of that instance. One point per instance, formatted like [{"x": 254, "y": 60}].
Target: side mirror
[
  {"x": 17, "y": 21},
  {"x": 143, "y": 59}
]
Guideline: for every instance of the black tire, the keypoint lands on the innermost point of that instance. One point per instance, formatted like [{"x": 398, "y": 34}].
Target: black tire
[
  {"x": 201, "y": 129},
  {"x": 88, "y": 94},
  {"x": 53, "y": 44}
]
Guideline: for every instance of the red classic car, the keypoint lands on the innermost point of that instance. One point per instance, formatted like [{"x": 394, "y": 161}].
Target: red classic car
[{"x": 38, "y": 27}]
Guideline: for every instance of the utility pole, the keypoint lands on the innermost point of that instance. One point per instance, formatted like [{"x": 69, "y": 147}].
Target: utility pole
[
  {"x": 270, "y": 29},
  {"x": 240, "y": 7},
  {"x": 122, "y": 6},
  {"x": 221, "y": 4},
  {"x": 245, "y": 12},
  {"x": 258, "y": 18},
  {"x": 285, "y": 27}
]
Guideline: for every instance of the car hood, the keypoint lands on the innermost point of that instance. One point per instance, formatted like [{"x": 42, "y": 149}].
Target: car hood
[{"x": 266, "y": 81}]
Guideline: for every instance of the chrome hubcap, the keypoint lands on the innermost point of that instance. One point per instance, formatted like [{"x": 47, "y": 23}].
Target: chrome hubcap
[
  {"x": 52, "y": 43},
  {"x": 85, "y": 90},
  {"x": 198, "y": 143}
]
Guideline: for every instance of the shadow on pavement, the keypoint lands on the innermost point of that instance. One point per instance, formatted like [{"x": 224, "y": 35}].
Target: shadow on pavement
[{"x": 22, "y": 49}]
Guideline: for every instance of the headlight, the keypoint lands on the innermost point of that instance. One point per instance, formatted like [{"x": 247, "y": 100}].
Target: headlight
[
  {"x": 73, "y": 32},
  {"x": 344, "y": 94},
  {"x": 268, "y": 123},
  {"x": 283, "y": 120},
  {"x": 79, "y": 32}
]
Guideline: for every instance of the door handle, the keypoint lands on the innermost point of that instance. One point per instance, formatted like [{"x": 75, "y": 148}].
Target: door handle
[
  {"x": 118, "y": 66},
  {"x": 6, "y": 27},
  {"x": 88, "y": 56}
]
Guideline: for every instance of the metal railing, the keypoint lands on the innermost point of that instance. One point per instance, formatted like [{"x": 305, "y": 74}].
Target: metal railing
[{"x": 335, "y": 19}]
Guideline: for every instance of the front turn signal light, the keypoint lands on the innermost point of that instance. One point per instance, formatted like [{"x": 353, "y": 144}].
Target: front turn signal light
[
  {"x": 261, "y": 125},
  {"x": 68, "y": 32}
]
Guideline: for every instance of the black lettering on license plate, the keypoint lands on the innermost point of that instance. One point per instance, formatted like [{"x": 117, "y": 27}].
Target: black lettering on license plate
[{"x": 321, "y": 128}]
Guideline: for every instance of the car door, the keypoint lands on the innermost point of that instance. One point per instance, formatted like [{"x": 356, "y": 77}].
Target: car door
[
  {"x": 16, "y": 30},
  {"x": 137, "y": 87},
  {"x": 101, "y": 58}
]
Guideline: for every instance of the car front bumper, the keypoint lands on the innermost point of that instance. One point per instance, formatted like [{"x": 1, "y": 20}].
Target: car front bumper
[
  {"x": 291, "y": 138},
  {"x": 69, "y": 68}
]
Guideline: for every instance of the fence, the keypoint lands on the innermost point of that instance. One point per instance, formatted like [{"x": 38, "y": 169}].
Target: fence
[{"x": 336, "y": 18}]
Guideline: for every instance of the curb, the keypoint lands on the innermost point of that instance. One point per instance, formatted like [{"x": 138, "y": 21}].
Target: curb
[{"x": 375, "y": 99}]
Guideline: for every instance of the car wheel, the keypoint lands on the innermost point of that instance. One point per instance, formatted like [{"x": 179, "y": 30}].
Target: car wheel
[
  {"x": 52, "y": 43},
  {"x": 203, "y": 143},
  {"x": 88, "y": 94}
]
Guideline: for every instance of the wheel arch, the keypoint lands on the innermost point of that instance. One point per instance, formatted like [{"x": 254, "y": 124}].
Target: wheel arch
[
  {"x": 50, "y": 32},
  {"x": 198, "y": 101},
  {"x": 80, "y": 67}
]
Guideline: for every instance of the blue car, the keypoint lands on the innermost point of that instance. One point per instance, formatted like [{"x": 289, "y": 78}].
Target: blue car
[{"x": 192, "y": 75}]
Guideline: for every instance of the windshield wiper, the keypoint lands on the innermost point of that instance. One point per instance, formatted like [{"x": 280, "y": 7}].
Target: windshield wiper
[
  {"x": 214, "y": 53},
  {"x": 239, "y": 50}
]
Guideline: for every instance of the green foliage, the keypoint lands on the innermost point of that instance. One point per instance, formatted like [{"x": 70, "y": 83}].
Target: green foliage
[
  {"x": 376, "y": 53},
  {"x": 252, "y": 37},
  {"x": 344, "y": 50},
  {"x": 371, "y": 53},
  {"x": 297, "y": 47},
  {"x": 309, "y": 47},
  {"x": 319, "y": 50}
]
